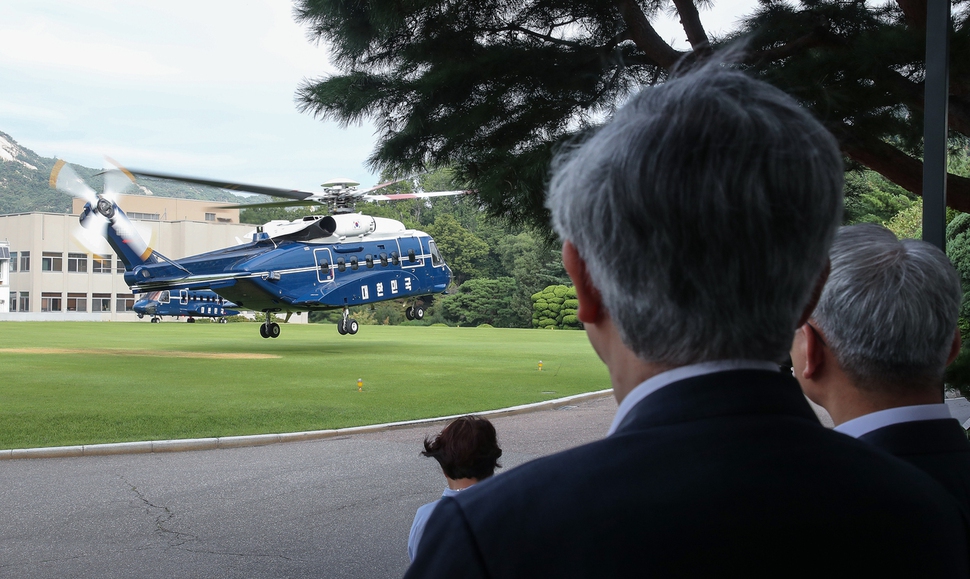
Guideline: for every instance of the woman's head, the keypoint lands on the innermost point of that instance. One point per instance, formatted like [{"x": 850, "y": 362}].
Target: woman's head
[{"x": 466, "y": 448}]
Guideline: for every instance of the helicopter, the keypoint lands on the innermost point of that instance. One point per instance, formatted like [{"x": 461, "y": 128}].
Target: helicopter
[
  {"x": 316, "y": 263},
  {"x": 191, "y": 304}
]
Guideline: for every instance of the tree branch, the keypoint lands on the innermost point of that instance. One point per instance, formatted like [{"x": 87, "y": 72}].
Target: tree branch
[
  {"x": 645, "y": 37},
  {"x": 903, "y": 170},
  {"x": 691, "y": 21}
]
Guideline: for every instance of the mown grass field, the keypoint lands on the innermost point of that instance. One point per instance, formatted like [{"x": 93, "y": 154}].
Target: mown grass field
[{"x": 84, "y": 383}]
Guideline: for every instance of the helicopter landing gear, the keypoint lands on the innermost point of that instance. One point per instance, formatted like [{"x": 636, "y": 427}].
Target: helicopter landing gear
[
  {"x": 156, "y": 319},
  {"x": 269, "y": 328},
  {"x": 414, "y": 313},
  {"x": 190, "y": 320},
  {"x": 347, "y": 325}
]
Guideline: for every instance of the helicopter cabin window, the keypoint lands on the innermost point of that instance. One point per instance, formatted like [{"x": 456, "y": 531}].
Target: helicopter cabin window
[
  {"x": 353, "y": 262},
  {"x": 369, "y": 260},
  {"x": 394, "y": 258},
  {"x": 383, "y": 259},
  {"x": 435, "y": 256},
  {"x": 165, "y": 297},
  {"x": 411, "y": 257},
  {"x": 341, "y": 264}
]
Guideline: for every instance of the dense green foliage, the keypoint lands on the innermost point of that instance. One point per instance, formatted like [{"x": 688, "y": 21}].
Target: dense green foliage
[
  {"x": 555, "y": 307},
  {"x": 86, "y": 383},
  {"x": 492, "y": 88}
]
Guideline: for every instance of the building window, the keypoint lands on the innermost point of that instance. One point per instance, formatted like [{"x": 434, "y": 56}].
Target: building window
[
  {"x": 210, "y": 216},
  {"x": 24, "y": 301},
  {"x": 24, "y": 261},
  {"x": 77, "y": 262},
  {"x": 101, "y": 303},
  {"x": 143, "y": 216},
  {"x": 101, "y": 264},
  {"x": 13, "y": 262},
  {"x": 13, "y": 300},
  {"x": 119, "y": 266},
  {"x": 50, "y": 302},
  {"x": 77, "y": 302},
  {"x": 125, "y": 303},
  {"x": 52, "y": 261}
]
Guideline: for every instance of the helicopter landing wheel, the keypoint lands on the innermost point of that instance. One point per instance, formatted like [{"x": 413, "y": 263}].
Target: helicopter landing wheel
[
  {"x": 262, "y": 331},
  {"x": 190, "y": 320},
  {"x": 340, "y": 328},
  {"x": 409, "y": 313},
  {"x": 154, "y": 320},
  {"x": 274, "y": 330},
  {"x": 223, "y": 321},
  {"x": 352, "y": 326},
  {"x": 418, "y": 313}
]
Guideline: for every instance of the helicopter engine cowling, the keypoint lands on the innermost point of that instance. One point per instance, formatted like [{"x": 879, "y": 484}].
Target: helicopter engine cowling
[{"x": 349, "y": 224}]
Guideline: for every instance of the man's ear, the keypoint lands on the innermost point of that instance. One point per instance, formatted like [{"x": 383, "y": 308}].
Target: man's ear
[
  {"x": 814, "y": 353},
  {"x": 816, "y": 294},
  {"x": 954, "y": 348},
  {"x": 590, "y": 303}
]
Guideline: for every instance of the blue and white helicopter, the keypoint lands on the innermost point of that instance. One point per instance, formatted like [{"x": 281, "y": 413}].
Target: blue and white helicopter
[
  {"x": 188, "y": 303},
  {"x": 311, "y": 264}
]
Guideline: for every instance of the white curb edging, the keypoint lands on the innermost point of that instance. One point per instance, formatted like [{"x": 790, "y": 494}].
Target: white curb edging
[{"x": 148, "y": 446}]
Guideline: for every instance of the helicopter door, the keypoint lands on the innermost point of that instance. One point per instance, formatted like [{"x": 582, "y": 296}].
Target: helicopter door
[
  {"x": 325, "y": 264},
  {"x": 184, "y": 296},
  {"x": 411, "y": 254}
]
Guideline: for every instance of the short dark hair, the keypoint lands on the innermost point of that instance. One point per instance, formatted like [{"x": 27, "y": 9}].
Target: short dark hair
[{"x": 466, "y": 448}]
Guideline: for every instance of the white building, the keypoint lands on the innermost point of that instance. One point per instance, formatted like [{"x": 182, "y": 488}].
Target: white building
[{"x": 47, "y": 273}]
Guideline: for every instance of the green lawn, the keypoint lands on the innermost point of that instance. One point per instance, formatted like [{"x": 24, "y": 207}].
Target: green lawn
[{"x": 84, "y": 383}]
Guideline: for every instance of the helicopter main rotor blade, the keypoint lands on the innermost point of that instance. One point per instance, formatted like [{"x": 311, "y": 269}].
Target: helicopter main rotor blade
[
  {"x": 299, "y": 203},
  {"x": 229, "y": 185},
  {"x": 397, "y": 196}
]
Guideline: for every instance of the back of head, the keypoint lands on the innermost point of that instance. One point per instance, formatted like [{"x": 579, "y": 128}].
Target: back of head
[
  {"x": 889, "y": 309},
  {"x": 704, "y": 211},
  {"x": 466, "y": 448}
]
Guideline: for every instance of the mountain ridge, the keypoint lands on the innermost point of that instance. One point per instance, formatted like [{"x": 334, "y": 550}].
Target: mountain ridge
[{"x": 25, "y": 183}]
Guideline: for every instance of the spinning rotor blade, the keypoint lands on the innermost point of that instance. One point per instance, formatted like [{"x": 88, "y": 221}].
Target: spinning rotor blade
[
  {"x": 116, "y": 181},
  {"x": 396, "y": 196},
  {"x": 273, "y": 191},
  {"x": 303, "y": 203},
  {"x": 64, "y": 179}
]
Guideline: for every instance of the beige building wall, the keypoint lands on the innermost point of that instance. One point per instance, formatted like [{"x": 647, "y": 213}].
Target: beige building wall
[{"x": 54, "y": 235}]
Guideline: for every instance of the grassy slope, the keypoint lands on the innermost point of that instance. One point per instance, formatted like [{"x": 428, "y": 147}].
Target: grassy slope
[{"x": 113, "y": 395}]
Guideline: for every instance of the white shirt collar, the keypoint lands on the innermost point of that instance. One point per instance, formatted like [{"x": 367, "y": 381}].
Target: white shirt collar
[
  {"x": 873, "y": 421},
  {"x": 651, "y": 385}
]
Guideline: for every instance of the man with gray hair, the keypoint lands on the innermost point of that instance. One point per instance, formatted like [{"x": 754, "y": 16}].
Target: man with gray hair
[
  {"x": 696, "y": 226},
  {"x": 874, "y": 351}
]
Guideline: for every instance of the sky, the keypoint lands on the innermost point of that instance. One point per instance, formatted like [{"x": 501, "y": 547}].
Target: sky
[{"x": 193, "y": 87}]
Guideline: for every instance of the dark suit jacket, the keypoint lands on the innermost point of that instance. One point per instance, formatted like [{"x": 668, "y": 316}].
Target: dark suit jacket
[
  {"x": 724, "y": 473},
  {"x": 937, "y": 447}
]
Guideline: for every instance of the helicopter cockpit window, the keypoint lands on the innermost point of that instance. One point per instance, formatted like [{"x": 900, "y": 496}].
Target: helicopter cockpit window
[
  {"x": 383, "y": 259},
  {"x": 369, "y": 260},
  {"x": 411, "y": 257},
  {"x": 394, "y": 258},
  {"x": 435, "y": 256},
  {"x": 341, "y": 265},
  {"x": 353, "y": 262}
]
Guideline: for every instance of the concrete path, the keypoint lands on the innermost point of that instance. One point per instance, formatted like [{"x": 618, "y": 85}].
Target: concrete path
[{"x": 339, "y": 507}]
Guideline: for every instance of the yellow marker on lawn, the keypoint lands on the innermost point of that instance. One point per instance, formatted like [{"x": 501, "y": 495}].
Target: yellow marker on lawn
[
  {"x": 540, "y": 365},
  {"x": 360, "y": 384}
]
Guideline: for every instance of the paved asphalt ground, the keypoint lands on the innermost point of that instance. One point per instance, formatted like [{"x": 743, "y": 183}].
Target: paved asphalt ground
[{"x": 339, "y": 507}]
